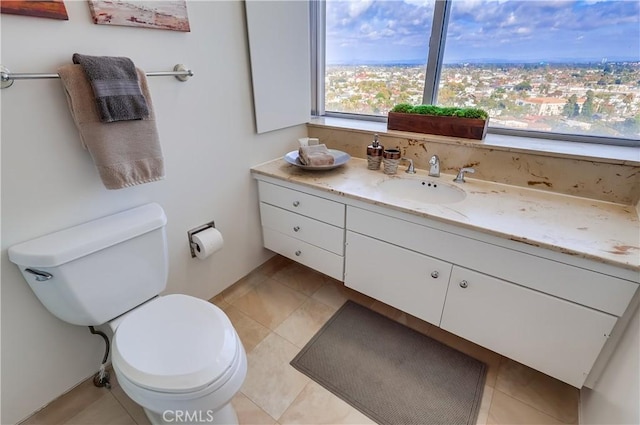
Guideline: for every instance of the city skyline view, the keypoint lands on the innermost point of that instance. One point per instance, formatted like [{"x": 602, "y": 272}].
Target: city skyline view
[
  {"x": 484, "y": 31},
  {"x": 593, "y": 99}
]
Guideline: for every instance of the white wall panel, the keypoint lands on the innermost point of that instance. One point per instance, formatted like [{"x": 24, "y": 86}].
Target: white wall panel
[
  {"x": 280, "y": 63},
  {"x": 49, "y": 181}
]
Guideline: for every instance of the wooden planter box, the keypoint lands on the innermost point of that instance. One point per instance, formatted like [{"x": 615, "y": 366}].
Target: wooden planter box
[{"x": 468, "y": 128}]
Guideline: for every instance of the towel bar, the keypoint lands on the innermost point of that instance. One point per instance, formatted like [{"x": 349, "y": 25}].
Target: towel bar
[{"x": 180, "y": 71}]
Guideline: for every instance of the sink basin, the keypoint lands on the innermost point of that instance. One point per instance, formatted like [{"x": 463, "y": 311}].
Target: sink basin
[{"x": 428, "y": 190}]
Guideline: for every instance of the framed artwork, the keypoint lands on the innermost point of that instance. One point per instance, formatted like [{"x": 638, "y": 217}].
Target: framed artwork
[
  {"x": 166, "y": 15},
  {"x": 53, "y": 9}
]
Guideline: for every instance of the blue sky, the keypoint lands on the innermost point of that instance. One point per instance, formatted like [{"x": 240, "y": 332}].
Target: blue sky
[{"x": 370, "y": 31}]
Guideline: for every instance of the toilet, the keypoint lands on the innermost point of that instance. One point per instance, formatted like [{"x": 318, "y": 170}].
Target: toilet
[{"x": 177, "y": 356}]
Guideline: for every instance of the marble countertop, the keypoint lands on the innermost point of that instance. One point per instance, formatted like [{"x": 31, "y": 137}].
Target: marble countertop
[{"x": 597, "y": 230}]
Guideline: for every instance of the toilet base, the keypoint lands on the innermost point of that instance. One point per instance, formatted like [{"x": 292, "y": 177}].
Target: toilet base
[{"x": 226, "y": 415}]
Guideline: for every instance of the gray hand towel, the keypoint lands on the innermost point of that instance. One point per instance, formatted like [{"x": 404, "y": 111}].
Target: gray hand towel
[
  {"x": 115, "y": 87},
  {"x": 126, "y": 153}
]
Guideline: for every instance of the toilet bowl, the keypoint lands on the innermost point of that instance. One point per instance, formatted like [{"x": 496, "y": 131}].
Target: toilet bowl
[{"x": 179, "y": 358}]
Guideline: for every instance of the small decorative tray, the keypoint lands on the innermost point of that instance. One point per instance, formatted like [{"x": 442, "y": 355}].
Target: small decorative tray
[{"x": 340, "y": 158}]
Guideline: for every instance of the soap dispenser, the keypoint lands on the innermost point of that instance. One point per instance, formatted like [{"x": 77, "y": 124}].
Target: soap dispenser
[{"x": 374, "y": 154}]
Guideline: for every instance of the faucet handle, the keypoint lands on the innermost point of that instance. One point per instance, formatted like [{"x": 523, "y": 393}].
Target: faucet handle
[
  {"x": 434, "y": 169},
  {"x": 460, "y": 177},
  {"x": 410, "y": 168}
]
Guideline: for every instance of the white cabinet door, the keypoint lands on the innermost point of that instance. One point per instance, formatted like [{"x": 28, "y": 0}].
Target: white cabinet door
[
  {"x": 409, "y": 281},
  {"x": 551, "y": 335}
]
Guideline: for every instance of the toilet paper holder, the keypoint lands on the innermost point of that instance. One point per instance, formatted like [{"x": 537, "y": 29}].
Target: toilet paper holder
[{"x": 190, "y": 233}]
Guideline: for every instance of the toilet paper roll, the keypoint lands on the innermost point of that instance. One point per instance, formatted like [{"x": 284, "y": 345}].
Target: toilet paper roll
[{"x": 207, "y": 242}]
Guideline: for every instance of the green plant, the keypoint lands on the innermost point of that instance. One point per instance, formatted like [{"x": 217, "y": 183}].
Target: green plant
[
  {"x": 441, "y": 111},
  {"x": 403, "y": 108}
]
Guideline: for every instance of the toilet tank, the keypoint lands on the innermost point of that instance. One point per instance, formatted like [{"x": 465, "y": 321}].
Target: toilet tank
[{"x": 90, "y": 273}]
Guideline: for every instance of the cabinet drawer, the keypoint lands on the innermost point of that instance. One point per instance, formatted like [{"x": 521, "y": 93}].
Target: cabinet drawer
[
  {"x": 297, "y": 226},
  {"x": 311, "y": 256},
  {"x": 409, "y": 281},
  {"x": 586, "y": 287},
  {"x": 551, "y": 335},
  {"x": 301, "y": 203}
]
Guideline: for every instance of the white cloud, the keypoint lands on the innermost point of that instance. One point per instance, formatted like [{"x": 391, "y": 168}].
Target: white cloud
[
  {"x": 510, "y": 24},
  {"x": 467, "y": 6},
  {"x": 418, "y": 3},
  {"x": 356, "y": 8},
  {"x": 366, "y": 28}
]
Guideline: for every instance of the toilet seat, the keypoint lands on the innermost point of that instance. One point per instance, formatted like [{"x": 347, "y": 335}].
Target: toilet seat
[{"x": 175, "y": 344}]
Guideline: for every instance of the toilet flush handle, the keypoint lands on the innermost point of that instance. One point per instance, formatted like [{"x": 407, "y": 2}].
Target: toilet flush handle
[{"x": 39, "y": 274}]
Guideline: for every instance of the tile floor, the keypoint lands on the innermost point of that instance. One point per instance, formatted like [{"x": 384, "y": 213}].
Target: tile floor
[{"x": 276, "y": 309}]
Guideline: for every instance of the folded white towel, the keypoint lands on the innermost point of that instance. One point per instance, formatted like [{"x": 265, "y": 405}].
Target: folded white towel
[
  {"x": 308, "y": 141},
  {"x": 315, "y": 155}
]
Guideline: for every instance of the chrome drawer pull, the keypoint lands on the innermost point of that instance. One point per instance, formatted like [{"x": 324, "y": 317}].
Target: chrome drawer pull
[
  {"x": 298, "y": 253},
  {"x": 296, "y": 229},
  {"x": 39, "y": 274},
  {"x": 464, "y": 284},
  {"x": 435, "y": 274},
  {"x": 296, "y": 203}
]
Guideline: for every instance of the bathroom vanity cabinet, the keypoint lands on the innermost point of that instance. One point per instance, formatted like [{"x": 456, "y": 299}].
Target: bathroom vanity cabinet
[
  {"x": 306, "y": 228},
  {"x": 528, "y": 308},
  {"x": 548, "y": 310}
]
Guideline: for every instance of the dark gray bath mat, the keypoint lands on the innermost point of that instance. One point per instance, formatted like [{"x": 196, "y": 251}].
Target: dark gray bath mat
[{"x": 390, "y": 372}]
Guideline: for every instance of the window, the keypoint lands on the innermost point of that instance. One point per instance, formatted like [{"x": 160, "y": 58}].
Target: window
[{"x": 551, "y": 67}]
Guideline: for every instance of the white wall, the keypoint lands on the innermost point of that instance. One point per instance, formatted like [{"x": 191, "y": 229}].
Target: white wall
[
  {"x": 49, "y": 182},
  {"x": 615, "y": 398}
]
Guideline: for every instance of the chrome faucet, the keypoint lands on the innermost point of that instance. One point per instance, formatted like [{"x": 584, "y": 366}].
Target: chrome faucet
[
  {"x": 434, "y": 170},
  {"x": 410, "y": 168},
  {"x": 460, "y": 177}
]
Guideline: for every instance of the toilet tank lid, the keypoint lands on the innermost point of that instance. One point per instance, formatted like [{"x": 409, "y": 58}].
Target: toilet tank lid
[{"x": 69, "y": 244}]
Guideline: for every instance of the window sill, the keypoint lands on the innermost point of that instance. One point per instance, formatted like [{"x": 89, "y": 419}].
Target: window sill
[{"x": 553, "y": 148}]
